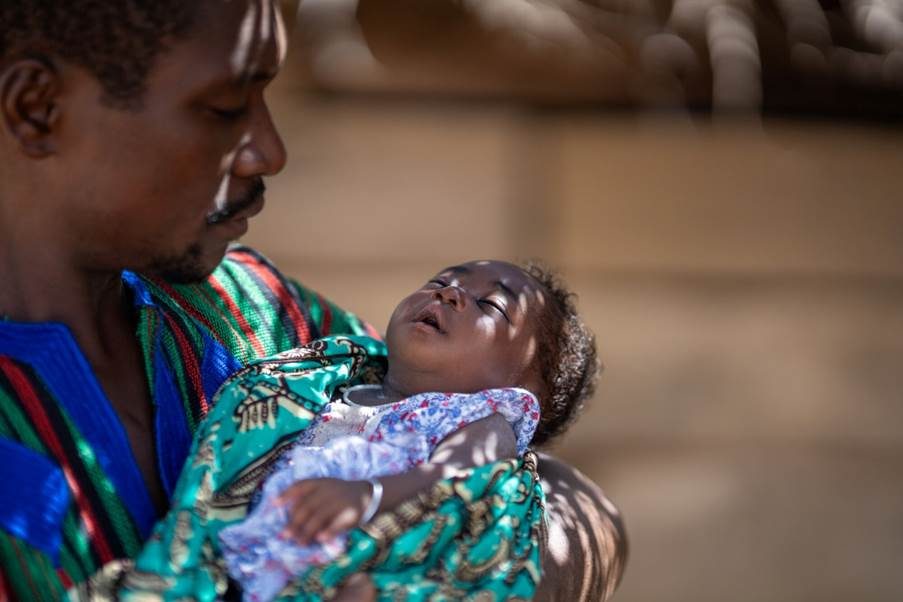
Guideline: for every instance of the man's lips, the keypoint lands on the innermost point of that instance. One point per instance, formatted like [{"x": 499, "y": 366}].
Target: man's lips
[
  {"x": 235, "y": 226},
  {"x": 244, "y": 207},
  {"x": 249, "y": 211}
]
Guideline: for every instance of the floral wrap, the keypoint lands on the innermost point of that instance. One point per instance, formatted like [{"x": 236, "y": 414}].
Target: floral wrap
[{"x": 476, "y": 535}]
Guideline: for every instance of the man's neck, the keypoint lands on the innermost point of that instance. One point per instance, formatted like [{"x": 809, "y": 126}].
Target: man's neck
[
  {"x": 40, "y": 284},
  {"x": 95, "y": 305}
]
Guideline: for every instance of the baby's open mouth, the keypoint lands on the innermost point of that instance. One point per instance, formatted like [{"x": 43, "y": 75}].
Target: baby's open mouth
[{"x": 428, "y": 316}]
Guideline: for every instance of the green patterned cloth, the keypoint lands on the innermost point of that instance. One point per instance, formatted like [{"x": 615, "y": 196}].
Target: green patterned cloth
[{"x": 472, "y": 537}]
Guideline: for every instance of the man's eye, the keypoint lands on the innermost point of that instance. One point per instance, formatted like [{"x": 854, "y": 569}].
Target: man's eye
[
  {"x": 230, "y": 114},
  {"x": 435, "y": 283}
]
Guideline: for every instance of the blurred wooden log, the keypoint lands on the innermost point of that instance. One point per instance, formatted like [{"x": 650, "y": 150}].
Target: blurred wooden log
[{"x": 779, "y": 55}]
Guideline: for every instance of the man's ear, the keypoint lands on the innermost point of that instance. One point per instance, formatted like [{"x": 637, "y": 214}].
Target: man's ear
[{"x": 29, "y": 107}]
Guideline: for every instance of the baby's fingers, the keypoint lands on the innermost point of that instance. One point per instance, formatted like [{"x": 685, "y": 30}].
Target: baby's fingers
[
  {"x": 343, "y": 521},
  {"x": 300, "y": 502},
  {"x": 298, "y": 515},
  {"x": 317, "y": 519},
  {"x": 294, "y": 493}
]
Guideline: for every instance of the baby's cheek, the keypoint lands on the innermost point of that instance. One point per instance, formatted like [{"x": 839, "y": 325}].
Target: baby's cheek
[
  {"x": 522, "y": 355},
  {"x": 486, "y": 327}
]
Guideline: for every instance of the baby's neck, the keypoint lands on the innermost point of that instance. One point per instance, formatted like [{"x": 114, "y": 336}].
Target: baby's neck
[{"x": 371, "y": 395}]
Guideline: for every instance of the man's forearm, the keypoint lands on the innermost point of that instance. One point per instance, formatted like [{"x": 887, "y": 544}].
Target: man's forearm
[{"x": 585, "y": 549}]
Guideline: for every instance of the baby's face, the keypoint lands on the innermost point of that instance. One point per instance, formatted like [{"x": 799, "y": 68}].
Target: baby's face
[{"x": 470, "y": 327}]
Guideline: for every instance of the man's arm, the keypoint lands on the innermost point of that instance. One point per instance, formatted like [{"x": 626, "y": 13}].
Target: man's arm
[{"x": 585, "y": 546}]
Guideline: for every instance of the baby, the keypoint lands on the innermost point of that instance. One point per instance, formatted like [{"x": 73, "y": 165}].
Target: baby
[{"x": 484, "y": 359}]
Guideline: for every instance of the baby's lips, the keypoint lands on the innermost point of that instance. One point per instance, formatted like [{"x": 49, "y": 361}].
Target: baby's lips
[{"x": 431, "y": 315}]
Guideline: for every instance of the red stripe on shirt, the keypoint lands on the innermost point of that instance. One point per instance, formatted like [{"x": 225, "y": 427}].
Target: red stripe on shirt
[
  {"x": 239, "y": 317},
  {"x": 302, "y": 330},
  {"x": 371, "y": 331},
  {"x": 191, "y": 363},
  {"x": 327, "y": 316},
  {"x": 185, "y": 304},
  {"x": 65, "y": 579},
  {"x": 39, "y": 418}
]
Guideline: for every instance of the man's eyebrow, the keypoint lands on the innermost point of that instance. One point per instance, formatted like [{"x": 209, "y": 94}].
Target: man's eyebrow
[
  {"x": 250, "y": 78},
  {"x": 233, "y": 82},
  {"x": 258, "y": 77}
]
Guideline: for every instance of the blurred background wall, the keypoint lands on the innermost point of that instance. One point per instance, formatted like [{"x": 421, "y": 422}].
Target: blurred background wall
[{"x": 721, "y": 184}]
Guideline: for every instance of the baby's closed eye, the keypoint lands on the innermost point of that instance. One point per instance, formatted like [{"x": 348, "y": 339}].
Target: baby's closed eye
[{"x": 495, "y": 305}]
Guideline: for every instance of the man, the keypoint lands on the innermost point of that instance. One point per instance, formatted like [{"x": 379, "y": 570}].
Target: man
[{"x": 135, "y": 137}]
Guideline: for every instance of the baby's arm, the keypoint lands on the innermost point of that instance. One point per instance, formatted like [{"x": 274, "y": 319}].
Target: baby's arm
[{"x": 319, "y": 509}]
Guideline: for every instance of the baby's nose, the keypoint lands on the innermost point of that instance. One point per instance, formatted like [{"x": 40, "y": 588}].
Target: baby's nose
[{"x": 452, "y": 295}]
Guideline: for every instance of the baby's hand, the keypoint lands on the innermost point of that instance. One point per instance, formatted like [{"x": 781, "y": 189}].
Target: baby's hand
[{"x": 320, "y": 509}]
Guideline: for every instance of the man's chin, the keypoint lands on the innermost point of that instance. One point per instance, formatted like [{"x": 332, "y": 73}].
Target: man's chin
[{"x": 193, "y": 266}]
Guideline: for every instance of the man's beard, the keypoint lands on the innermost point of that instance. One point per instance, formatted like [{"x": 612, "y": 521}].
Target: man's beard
[
  {"x": 190, "y": 267},
  {"x": 186, "y": 268}
]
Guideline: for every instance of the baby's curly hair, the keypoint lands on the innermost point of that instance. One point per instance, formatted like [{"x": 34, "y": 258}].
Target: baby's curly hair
[{"x": 566, "y": 352}]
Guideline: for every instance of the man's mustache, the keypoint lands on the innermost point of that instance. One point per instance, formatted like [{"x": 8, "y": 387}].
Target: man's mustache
[{"x": 249, "y": 198}]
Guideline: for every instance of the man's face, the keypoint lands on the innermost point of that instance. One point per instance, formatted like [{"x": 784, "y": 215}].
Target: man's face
[
  {"x": 469, "y": 328},
  {"x": 165, "y": 187}
]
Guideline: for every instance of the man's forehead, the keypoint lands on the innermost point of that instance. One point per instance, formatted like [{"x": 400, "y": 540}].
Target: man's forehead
[
  {"x": 260, "y": 45},
  {"x": 234, "y": 41}
]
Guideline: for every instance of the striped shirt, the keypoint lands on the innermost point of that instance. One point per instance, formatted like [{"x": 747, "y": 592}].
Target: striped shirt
[{"x": 71, "y": 495}]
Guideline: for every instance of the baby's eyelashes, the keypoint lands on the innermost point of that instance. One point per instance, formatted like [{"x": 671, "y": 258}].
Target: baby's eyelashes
[
  {"x": 496, "y": 306},
  {"x": 488, "y": 302}
]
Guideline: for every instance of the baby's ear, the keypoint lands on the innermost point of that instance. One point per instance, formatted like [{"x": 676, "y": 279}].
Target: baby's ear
[{"x": 29, "y": 105}]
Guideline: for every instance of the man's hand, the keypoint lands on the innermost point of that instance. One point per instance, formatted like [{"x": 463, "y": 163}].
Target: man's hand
[{"x": 320, "y": 509}]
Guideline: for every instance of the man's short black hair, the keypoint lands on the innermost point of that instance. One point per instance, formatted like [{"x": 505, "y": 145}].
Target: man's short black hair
[
  {"x": 567, "y": 358},
  {"x": 116, "y": 40}
]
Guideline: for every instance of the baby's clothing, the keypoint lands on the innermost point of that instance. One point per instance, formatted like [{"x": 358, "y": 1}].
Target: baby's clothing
[{"x": 354, "y": 442}]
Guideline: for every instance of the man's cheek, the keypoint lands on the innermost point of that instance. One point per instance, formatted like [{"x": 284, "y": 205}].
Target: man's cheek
[{"x": 197, "y": 183}]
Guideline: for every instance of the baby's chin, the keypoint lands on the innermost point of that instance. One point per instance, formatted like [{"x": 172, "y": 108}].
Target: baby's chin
[{"x": 412, "y": 382}]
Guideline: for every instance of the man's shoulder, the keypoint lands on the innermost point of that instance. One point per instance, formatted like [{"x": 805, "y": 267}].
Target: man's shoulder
[
  {"x": 255, "y": 309},
  {"x": 245, "y": 273},
  {"x": 243, "y": 261},
  {"x": 247, "y": 303}
]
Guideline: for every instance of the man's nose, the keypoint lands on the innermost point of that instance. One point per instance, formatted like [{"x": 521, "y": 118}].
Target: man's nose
[
  {"x": 263, "y": 152},
  {"x": 452, "y": 295}
]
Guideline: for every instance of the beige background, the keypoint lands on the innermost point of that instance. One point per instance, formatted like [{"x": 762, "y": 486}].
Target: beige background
[{"x": 745, "y": 280}]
